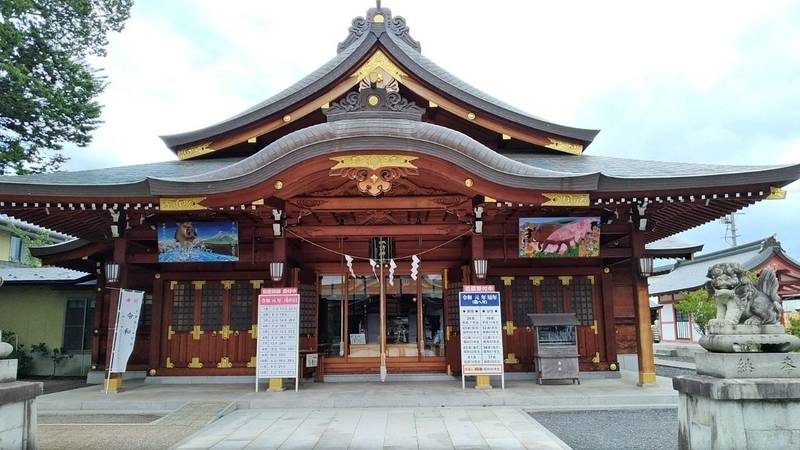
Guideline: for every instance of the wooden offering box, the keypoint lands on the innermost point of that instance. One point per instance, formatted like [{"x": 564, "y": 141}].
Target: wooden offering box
[{"x": 555, "y": 346}]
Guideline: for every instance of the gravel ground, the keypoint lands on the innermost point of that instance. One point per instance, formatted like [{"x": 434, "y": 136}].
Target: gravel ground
[
  {"x": 652, "y": 429},
  {"x": 672, "y": 372}
]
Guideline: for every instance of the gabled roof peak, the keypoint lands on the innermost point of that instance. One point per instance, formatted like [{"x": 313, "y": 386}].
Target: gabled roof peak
[{"x": 379, "y": 20}]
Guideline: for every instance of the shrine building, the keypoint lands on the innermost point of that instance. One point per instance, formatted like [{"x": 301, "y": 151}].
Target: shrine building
[{"x": 378, "y": 150}]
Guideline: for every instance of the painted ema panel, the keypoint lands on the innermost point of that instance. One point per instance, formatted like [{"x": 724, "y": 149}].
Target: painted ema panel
[
  {"x": 481, "y": 332},
  {"x": 278, "y": 333},
  {"x": 547, "y": 237},
  {"x": 198, "y": 242}
]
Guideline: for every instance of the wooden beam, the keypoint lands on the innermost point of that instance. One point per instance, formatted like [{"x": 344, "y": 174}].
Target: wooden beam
[
  {"x": 377, "y": 203},
  {"x": 307, "y": 231}
]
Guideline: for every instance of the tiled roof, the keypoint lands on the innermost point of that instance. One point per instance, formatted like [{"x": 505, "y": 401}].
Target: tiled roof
[
  {"x": 691, "y": 274},
  {"x": 41, "y": 275}
]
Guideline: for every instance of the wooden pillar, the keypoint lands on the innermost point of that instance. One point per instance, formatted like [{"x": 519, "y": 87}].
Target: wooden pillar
[
  {"x": 154, "y": 355},
  {"x": 641, "y": 298},
  {"x": 114, "y": 384},
  {"x": 97, "y": 321},
  {"x": 609, "y": 321}
]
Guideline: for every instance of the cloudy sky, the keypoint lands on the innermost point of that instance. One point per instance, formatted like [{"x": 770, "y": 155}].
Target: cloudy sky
[{"x": 710, "y": 81}]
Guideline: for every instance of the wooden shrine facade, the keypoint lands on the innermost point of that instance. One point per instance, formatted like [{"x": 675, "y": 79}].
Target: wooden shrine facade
[{"x": 380, "y": 142}]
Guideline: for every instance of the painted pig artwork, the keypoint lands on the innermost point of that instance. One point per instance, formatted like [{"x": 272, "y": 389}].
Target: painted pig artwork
[{"x": 542, "y": 237}]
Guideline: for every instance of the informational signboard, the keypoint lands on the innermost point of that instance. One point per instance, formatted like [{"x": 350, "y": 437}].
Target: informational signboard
[
  {"x": 278, "y": 334},
  {"x": 481, "y": 332}
]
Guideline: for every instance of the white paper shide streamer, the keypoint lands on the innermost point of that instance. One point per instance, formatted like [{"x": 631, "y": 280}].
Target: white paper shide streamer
[
  {"x": 373, "y": 264},
  {"x": 349, "y": 260},
  {"x": 414, "y": 267},
  {"x": 392, "y": 266}
]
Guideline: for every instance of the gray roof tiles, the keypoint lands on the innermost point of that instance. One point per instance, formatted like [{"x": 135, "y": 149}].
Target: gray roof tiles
[{"x": 40, "y": 275}]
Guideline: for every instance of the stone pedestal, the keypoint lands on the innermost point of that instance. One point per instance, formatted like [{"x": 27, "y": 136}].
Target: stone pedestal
[
  {"x": 728, "y": 338},
  {"x": 755, "y": 405},
  {"x": 17, "y": 408}
]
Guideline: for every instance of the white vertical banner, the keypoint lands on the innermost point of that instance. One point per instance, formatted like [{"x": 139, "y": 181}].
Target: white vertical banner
[{"x": 129, "y": 309}]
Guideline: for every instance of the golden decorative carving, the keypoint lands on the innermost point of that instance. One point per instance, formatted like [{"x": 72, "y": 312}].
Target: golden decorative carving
[
  {"x": 197, "y": 332},
  {"x": 373, "y": 174},
  {"x": 158, "y": 276},
  {"x": 373, "y": 100},
  {"x": 606, "y": 270},
  {"x": 287, "y": 118},
  {"x": 252, "y": 140},
  {"x": 170, "y": 333},
  {"x": 509, "y": 327},
  {"x": 565, "y": 280},
  {"x": 565, "y": 199},
  {"x": 511, "y": 359},
  {"x": 594, "y": 327},
  {"x": 590, "y": 278},
  {"x": 197, "y": 150},
  {"x": 776, "y": 193},
  {"x": 507, "y": 280},
  {"x": 373, "y": 162},
  {"x": 224, "y": 363},
  {"x": 506, "y": 137},
  {"x": 596, "y": 358},
  {"x": 198, "y": 285},
  {"x": 278, "y": 185},
  {"x": 256, "y": 283},
  {"x": 169, "y": 364},
  {"x": 487, "y": 199},
  {"x": 181, "y": 204},
  {"x": 253, "y": 331},
  {"x": 151, "y": 372},
  {"x": 612, "y": 366},
  {"x": 471, "y": 116},
  {"x": 226, "y": 332},
  {"x": 469, "y": 182},
  {"x": 447, "y": 330},
  {"x": 378, "y": 18},
  {"x": 432, "y": 104},
  {"x": 173, "y": 285},
  {"x": 536, "y": 280},
  {"x": 227, "y": 284},
  {"x": 195, "y": 364},
  {"x": 252, "y": 362},
  {"x": 564, "y": 146},
  {"x": 379, "y": 60}
]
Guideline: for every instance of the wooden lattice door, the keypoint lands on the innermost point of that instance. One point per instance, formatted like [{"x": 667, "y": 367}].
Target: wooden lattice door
[
  {"x": 453, "y": 285},
  {"x": 583, "y": 301}
]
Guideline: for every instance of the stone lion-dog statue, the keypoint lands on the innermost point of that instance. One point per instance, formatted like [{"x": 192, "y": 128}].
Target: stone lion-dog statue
[{"x": 739, "y": 301}]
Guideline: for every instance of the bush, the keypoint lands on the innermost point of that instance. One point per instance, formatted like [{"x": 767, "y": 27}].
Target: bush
[
  {"x": 699, "y": 306},
  {"x": 24, "y": 359},
  {"x": 793, "y": 327},
  {"x": 56, "y": 355}
]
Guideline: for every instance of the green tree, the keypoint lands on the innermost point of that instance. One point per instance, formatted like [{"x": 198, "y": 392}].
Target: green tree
[
  {"x": 699, "y": 306},
  {"x": 56, "y": 355},
  {"x": 48, "y": 87}
]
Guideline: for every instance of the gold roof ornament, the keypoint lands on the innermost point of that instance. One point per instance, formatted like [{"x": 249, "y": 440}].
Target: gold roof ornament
[
  {"x": 195, "y": 151},
  {"x": 564, "y": 146},
  {"x": 776, "y": 193},
  {"x": 565, "y": 199},
  {"x": 181, "y": 204},
  {"x": 373, "y": 162},
  {"x": 379, "y": 60}
]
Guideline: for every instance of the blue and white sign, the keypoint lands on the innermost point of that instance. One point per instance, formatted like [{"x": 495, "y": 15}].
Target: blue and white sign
[{"x": 481, "y": 331}]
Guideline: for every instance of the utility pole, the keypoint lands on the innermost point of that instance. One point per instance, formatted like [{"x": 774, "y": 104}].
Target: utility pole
[{"x": 731, "y": 232}]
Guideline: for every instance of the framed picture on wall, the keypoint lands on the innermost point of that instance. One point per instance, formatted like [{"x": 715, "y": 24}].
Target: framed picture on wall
[
  {"x": 546, "y": 237},
  {"x": 196, "y": 242}
]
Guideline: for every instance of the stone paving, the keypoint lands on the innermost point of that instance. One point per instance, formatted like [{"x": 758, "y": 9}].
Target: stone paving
[
  {"x": 373, "y": 428},
  {"x": 103, "y": 433}
]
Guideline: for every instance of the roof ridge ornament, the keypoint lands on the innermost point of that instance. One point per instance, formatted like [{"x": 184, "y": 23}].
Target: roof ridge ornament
[
  {"x": 374, "y": 102},
  {"x": 379, "y": 20}
]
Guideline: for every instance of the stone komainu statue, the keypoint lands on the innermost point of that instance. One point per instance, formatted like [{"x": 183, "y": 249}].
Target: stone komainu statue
[{"x": 739, "y": 301}]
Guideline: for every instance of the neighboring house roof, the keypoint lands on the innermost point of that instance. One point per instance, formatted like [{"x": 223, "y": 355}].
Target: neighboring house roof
[
  {"x": 691, "y": 274},
  {"x": 393, "y": 38},
  {"x": 7, "y": 223},
  {"x": 41, "y": 275},
  {"x": 671, "y": 247}
]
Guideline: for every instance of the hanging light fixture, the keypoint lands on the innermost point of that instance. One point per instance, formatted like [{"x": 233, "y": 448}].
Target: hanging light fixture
[
  {"x": 480, "y": 268},
  {"x": 112, "y": 272},
  {"x": 276, "y": 271},
  {"x": 646, "y": 266}
]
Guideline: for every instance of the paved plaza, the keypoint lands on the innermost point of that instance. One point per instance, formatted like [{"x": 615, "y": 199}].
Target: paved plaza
[{"x": 422, "y": 414}]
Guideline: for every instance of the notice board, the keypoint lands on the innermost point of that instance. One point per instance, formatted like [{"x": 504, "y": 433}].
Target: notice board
[
  {"x": 481, "y": 331},
  {"x": 278, "y": 334}
]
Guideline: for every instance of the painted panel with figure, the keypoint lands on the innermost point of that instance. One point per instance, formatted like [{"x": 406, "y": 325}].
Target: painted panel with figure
[
  {"x": 543, "y": 237},
  {"x": 198, "y": 242}
]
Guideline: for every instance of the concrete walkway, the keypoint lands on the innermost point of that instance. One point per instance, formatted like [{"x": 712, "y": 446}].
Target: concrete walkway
[
  {"x": 360, "y": 428},
  {"x": 590, "y": 394}
]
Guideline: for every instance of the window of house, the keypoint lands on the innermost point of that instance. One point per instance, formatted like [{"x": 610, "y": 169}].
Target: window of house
[
  {"x": 15, "y": 253},
  {"x": 78, "y": 325},
  {"x": 183, "y": 307}
]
